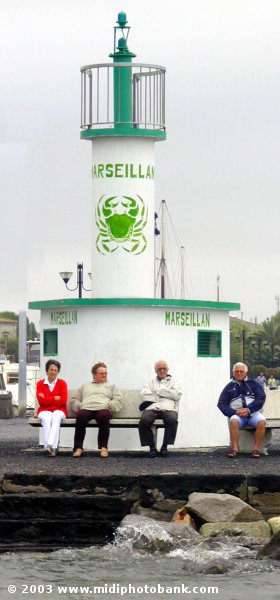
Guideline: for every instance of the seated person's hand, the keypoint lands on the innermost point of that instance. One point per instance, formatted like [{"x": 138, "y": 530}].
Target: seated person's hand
[{"x": 243, "y": 412}]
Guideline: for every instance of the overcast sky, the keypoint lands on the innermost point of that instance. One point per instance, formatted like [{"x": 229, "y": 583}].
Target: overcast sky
[{"x": 218, "y": 169}]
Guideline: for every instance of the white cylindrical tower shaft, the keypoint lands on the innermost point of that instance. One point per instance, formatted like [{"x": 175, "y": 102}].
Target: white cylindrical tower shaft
[{"x": 123, "y": 225}]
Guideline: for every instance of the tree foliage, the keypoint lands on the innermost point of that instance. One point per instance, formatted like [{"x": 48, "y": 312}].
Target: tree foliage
[{"x": 260, "y": 347}]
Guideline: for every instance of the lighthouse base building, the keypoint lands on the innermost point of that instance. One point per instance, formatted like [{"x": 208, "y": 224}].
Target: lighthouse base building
[{"x": 130, "y": 335}]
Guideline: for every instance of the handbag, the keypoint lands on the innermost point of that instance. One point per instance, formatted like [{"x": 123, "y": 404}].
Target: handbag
[{"x": 145, "y": 404}]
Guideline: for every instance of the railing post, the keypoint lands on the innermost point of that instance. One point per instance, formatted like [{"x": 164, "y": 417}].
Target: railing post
[{"x": 22, "y": 365}]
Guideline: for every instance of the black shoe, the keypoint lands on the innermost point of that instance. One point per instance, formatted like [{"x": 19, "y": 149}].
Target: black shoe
[
  {"x": 164, "y": 452},
  {"x": 152, "y": 453},
  {"x": 51, "y": 452}
]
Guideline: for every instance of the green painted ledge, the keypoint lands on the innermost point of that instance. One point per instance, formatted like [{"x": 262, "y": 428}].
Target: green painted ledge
[
  {"x": 133, "y": 302},
  {"x": 89, "y": 134}
]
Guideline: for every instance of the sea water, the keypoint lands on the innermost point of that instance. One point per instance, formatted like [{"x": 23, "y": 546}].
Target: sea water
[{"x": 121, "y": 570}]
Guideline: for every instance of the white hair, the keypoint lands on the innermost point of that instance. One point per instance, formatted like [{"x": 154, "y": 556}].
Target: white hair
[
  {"x": 160, "y": 361},
  {"x": 239, "y": 364}
]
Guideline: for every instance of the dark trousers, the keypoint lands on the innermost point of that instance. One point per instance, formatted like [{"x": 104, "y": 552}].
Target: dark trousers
[
  {"x": 102, "y": 417},
  {"x": 170, "y": 419}
]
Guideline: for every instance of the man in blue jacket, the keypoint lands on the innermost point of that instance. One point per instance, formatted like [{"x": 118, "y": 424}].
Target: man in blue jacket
[{"x": 241, "y": 401}]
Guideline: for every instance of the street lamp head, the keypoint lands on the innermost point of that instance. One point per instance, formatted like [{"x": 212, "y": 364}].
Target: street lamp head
[{"x": 66, "y": 275}]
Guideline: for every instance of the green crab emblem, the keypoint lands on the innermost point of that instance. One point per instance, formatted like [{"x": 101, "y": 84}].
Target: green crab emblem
[{"x": 121, "y": 220}]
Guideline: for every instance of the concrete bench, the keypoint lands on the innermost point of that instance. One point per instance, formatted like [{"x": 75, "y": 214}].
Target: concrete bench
[
  {"x": 246, "y": 438},
  {"x": 271, "y": 411},
  {"x": 127, "y": 417}
]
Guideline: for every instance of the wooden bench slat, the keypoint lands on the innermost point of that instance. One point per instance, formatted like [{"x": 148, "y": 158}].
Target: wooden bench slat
[{"x": 92, "y": 423}]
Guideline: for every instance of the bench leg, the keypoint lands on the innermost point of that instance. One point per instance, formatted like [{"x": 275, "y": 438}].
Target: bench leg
[{"x": 154, "y": 430}]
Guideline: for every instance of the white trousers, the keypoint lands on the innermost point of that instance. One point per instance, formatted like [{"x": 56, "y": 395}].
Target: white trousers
[{"x": 51, "y": 424}]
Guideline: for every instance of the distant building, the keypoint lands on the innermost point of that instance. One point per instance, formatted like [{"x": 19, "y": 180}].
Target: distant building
[
  {"x": 251, "y": 325},
  {"x": 8, "y": 327}
]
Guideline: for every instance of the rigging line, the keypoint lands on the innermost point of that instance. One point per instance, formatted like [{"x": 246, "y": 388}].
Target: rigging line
[
  {"x": 173, "y": 229},
  {"x": 176, "y": 265},
  {"x": 158, "y": 274},
  {"x": 221, "y": 290},
  {"x": 180, "y": 275},
  {"x": 180, "y": 245},
  {"x": 165, "y": 250},
  {"x": 187, "y": 272},
  {"x": 177, "y": 282},
  {"x": 177, "y": 237},
  {"x": 169, "y": 254},
  {"x": 188, "y": 278},
  {"x": 184, "y": 281},
  {"x": 168, "y": 286},
  {"x": 162, "y": 269}
]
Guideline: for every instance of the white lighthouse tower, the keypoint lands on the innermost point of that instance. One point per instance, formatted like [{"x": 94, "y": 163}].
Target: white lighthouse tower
[
  {"x": 123, "y": 114},
  {"x": 123, "y": 324}
]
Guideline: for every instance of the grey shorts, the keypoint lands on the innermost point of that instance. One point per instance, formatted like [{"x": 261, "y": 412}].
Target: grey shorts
[{"x": 251, "y": 421}]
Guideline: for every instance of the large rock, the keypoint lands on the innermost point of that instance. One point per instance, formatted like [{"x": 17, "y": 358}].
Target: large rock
[
  {"x": 154, "y": 536},
  {"x": 259, "y": 530},
  {"x": 263, "y": 499},
  {"x": 272, "y": 548},
  {"x": 213, "y": 508},
  {"x": 217, "y": 566},
  {"x": 274, "y": 523}
]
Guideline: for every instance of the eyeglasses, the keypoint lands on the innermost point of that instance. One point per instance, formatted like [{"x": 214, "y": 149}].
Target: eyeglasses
[{"x": 162, "y": 369}]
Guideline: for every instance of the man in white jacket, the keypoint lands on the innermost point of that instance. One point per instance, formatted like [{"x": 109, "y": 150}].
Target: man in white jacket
[{"x": 161, "y": 397}]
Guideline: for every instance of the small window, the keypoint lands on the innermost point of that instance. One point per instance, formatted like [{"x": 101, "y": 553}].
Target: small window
[
  {"x": 12, "y": 376},
  {"x": 209, "y": 343},
  {"x": 50, "y": 342}
]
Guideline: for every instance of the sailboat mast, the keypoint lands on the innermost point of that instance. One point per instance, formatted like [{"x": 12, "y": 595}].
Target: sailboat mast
[
  {"x": 182, "y": 250},
  {"x": 163, "y": 287},
  {"x": 163, "y": 257},
  {"x": 218, "y": 288}
]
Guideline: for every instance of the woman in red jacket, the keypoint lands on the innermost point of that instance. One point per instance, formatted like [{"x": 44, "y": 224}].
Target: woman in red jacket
[{"x": 52, "y": 397}]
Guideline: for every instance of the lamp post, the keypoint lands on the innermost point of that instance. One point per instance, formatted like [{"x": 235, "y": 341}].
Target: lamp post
[
  {"x": 2, "y": 362},
  {"x": 241, "y": 337},
  {"x": 66, "y": 276},
  {"x": 266, "y": 347},
  {"x": 5, "y": 335},
  {"x": 254, "y": 344}
]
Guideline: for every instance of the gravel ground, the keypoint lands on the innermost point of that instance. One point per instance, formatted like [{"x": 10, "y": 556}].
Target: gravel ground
[{"x": 20, "y": 453}]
